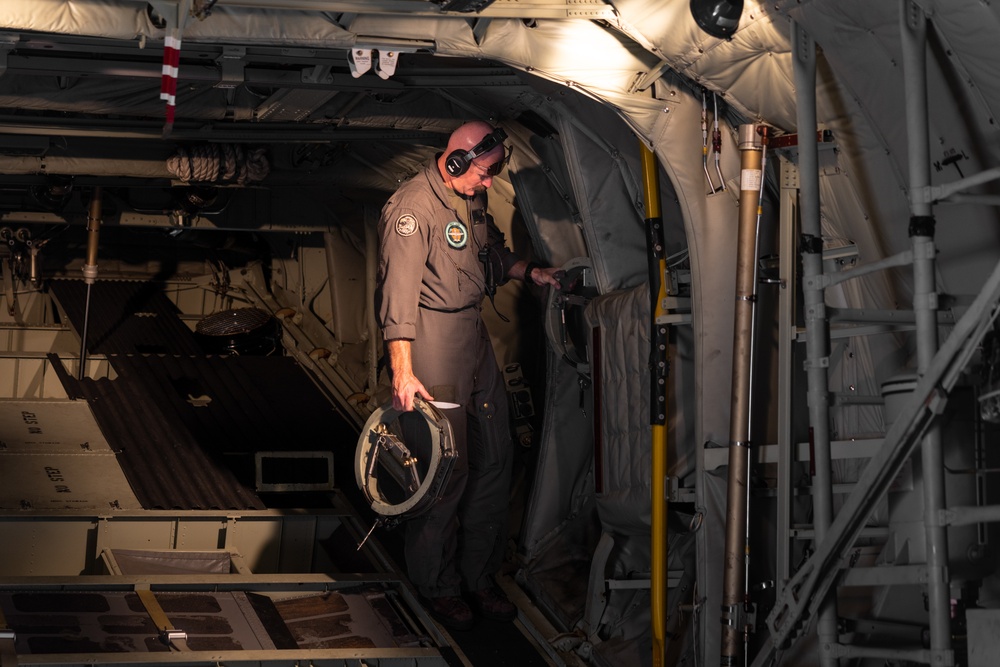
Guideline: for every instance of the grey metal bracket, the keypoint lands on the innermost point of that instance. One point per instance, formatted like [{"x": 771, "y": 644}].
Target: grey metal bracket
[
  {"x": 232, "y": 63},
  {"x": 678, "y": 311}
]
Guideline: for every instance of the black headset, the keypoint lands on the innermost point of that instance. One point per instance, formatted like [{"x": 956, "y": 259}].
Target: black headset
[{"x": 457, "y": 162}]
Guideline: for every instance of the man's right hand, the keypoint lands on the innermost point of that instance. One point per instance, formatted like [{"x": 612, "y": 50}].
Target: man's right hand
[
  {"x": 405, "y": 389},
  {"x": 405, "y": 385}
]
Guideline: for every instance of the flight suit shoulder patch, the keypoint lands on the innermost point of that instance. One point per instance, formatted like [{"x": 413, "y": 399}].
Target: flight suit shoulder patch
[{"x": 406, "y": 225}]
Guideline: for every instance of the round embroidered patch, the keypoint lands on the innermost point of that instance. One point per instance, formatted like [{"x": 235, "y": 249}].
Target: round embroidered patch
[
  {"x": 457, "y": 235},
  {"x": 406, "y": 224}
]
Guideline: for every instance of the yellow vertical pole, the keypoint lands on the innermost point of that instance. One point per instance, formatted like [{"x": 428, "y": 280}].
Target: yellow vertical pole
[{"x": 659, "y": 369}]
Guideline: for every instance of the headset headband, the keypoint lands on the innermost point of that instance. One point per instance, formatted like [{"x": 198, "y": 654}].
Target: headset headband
[
  {"x": 489, "y": 142},
  {"x": 457, "y": 163}
]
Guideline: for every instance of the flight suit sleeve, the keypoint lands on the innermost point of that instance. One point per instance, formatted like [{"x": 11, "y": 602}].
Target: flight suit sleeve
[{"x": 404, "y": 243}]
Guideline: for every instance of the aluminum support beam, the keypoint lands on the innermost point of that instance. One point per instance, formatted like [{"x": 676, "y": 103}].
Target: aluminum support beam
[
  {"x": 817, "y": 324},
  {"x": 818, "y": 574},
  {"x": 787, "y": 275},
  {"x": 913, "y": 31}
]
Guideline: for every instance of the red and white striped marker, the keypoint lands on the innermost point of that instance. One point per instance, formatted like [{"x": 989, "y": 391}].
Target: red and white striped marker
[{"x": 168, "y": 81}]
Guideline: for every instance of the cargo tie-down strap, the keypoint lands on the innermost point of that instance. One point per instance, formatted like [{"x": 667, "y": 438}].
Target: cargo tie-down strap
[{"x": 169, "y": 635}]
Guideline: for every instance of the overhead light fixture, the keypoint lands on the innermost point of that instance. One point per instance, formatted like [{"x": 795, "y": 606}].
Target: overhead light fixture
[{"x": 719, "y": 18}]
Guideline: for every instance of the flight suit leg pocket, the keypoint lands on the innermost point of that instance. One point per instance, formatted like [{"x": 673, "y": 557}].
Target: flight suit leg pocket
[{"x": 486, "y": 436}]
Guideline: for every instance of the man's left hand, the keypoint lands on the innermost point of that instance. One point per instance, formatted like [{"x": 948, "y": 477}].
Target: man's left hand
[{"x": 550, "y": 275}]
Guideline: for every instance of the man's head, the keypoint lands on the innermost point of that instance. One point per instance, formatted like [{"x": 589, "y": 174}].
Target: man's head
[{"x": 479, "y": 172}]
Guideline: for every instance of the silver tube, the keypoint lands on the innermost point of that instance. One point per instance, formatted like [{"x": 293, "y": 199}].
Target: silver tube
[
  {"x": 952, "y": 190},
  {"x": 981, "y": 200},
  {"x": 966, "y": 516},
  {"x": 90, "y": 270},
  {"x": 913, "y": 33},
  {"x": 734, "y": 575},
  {"x": 913, "y": 29}
]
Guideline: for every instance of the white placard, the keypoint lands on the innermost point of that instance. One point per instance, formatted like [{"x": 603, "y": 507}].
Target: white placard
[{"x": 750, "y": 179}]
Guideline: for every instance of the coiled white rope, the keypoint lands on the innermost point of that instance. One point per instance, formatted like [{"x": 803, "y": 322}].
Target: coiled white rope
[{"x": 219, "y": 163}]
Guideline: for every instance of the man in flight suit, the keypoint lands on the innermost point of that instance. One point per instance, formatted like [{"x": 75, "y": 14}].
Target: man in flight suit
[{"x": 439, "y": 254}]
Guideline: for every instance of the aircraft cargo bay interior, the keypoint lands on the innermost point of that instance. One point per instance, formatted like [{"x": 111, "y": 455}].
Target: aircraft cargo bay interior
[{"x": 499, "y": 332}]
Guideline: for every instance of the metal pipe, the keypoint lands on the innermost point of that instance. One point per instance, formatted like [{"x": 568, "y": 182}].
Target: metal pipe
[
  {"x": 913, "y": 32},
  {"x": 904, "y": 258},
  {"x": 90, "y": 270},
  {"x": 953, "y": 190},
  {"x": 659, "y": 368},
  {"x": 973, "y": 514},
  {"x": 734, "y": 576},
  {"x": 816, "y": 321},
  {"x": 763, "y": 132}
]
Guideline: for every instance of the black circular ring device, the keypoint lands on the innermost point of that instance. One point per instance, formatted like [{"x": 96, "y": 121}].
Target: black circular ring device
[{"x": 404, "y": 459}]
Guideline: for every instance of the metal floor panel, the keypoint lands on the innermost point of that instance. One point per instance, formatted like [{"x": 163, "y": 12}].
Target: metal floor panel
[
  {"x": 108, "y": 622},
  {"x": 117, "y": 622}
]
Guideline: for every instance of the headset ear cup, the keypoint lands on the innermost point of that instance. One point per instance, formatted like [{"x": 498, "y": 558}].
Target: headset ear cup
[{"x": 456, "y": 164}]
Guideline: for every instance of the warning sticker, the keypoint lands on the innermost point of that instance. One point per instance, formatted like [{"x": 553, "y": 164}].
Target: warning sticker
[{"x": 750, "y": 179}]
